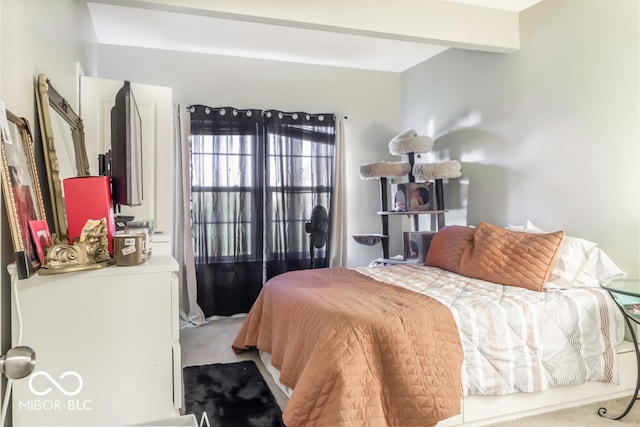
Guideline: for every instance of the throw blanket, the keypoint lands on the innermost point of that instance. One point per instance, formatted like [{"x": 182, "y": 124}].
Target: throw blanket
[
  {"x": 356, "y": 351},
  {"x": 517, "y": 340}
]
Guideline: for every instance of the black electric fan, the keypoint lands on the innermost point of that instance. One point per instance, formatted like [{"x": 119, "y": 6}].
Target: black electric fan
[{"x": 318, "y": 228}]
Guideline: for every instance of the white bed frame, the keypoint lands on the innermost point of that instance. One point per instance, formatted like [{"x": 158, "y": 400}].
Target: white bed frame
[{"x": 483, "y": 410}]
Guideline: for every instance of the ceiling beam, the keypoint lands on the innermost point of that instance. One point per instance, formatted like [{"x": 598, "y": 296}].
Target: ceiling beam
[{"x": 424, "y": 21}]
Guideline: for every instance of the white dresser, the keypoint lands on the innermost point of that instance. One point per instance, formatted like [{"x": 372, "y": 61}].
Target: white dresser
[{"x": 106, "y": 343}]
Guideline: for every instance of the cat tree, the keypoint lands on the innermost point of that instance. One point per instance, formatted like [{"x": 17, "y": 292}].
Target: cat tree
[{"x": 412, "y": 145}]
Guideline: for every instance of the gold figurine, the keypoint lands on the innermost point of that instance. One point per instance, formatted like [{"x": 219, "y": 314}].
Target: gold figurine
[{"x": 90, "y": 251}]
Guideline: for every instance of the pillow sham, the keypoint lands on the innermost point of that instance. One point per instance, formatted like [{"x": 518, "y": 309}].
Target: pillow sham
[
  {"x": 581, "y": 263},
  {"x": 571, "y": 261},
  {"x": 447, "y": 247},
  {"x": 509, "y": 257}
]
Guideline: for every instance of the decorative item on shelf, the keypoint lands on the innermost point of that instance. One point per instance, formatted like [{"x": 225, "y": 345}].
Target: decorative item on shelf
[
  {"x": 144, "y": 227},
  {"x": 20, "y": 188},
  {"x": 89, "y": 252},
  {"x": 41, "y": 237},
  {"x": 121, "y": 221},
  {"x": 64, "y": 150},
  {"x": 94, "y": 234},
  {"x": 88, "y": 197},
  {"x": 130, "y": 249},
  {"x": 633, "y": 310}
]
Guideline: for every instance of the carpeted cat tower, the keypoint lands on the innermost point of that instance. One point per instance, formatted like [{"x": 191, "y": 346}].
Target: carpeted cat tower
[{"x": 411, "y": 145}]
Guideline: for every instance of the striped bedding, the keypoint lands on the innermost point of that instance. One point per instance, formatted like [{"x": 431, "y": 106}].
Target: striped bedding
[{"x": 517, "y": 340}]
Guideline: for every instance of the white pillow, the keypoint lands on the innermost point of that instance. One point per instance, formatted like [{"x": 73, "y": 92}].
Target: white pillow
[
  {"x": 580, "y": 263},
  {"x": 598, "y": 270}
]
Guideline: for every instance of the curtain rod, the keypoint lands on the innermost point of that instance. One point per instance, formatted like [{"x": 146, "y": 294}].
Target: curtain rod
[
  {"x": 235, "y": 111},
  {"x": 248, "y": 111}
]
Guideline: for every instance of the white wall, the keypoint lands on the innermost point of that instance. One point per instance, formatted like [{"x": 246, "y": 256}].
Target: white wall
[
  {"x": 371, "y": 100},
  {"x": 44, "y": 36},
  {"x": 38, "y": 36},
  {"x": 549, "y": 133}
]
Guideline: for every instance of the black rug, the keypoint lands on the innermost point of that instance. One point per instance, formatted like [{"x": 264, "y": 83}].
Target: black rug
[{"x": 232, "y": 395}]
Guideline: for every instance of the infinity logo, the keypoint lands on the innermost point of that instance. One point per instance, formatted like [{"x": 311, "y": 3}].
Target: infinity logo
[{"x": 55, "y": 383}]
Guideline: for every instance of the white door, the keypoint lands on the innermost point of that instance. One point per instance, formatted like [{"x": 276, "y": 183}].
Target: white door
[{"x": 97, "y": 96}]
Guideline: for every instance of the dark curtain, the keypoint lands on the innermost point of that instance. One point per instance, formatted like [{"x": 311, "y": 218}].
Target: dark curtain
[
  {"x": 227, "y": 207},
  {"x": 256, "y": 177},
  {"x": 299, "y": 176}
]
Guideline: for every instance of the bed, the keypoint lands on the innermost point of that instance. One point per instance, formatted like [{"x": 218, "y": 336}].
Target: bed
[{"x": 419, "y": 344}]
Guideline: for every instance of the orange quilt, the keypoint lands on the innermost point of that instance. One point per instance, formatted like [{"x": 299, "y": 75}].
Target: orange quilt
[{"x": 356, "y": 351}]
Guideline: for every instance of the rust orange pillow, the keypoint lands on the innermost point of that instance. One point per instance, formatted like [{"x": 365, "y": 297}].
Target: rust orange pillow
[
  {"x": 447, "y": 247},
  {"x": 510, "y": 257}
]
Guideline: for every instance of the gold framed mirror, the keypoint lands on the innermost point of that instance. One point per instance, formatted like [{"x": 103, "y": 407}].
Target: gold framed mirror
[
  {"x": 21, "y": 191},
  {"x": 64, "y": 149}
]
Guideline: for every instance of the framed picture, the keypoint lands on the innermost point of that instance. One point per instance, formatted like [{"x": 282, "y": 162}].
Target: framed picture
[
  {"x": 41, "y": 238},
  {"x": 21, "y": 189}
]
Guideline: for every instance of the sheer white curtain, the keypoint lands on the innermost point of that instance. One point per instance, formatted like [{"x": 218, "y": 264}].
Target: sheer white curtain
[
  {"x": 190, "y": 313},
  {"x": 338, "y": 249}
]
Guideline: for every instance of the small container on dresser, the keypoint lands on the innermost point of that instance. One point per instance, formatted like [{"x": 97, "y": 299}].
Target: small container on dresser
[{"x": 130, "y": 249}]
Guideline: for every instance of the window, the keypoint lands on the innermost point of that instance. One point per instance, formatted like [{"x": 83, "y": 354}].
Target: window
[{"x": 256, "y": 177}]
